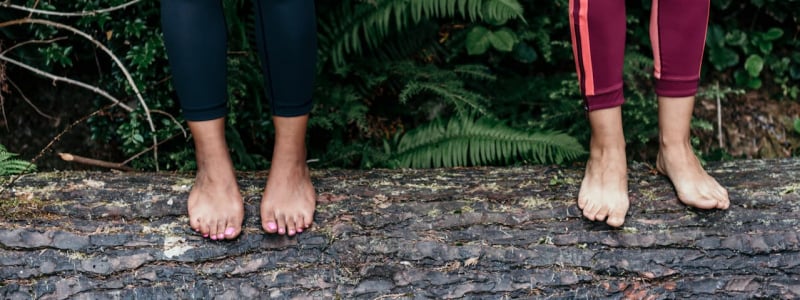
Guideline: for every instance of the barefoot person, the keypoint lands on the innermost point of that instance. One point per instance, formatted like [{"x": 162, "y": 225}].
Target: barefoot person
[
  {"x": 196, "y": 41},
  {"x": 677, "y": 32}
]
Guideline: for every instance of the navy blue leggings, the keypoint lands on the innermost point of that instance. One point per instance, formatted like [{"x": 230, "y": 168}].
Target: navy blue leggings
[{"x": 195, "y": 35}]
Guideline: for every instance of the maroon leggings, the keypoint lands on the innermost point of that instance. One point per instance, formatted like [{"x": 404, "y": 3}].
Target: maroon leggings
[{"x": 677, "y": 34}]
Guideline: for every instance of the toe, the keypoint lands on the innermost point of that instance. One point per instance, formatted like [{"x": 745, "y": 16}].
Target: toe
[
  {"x": 291, "y": 227},
  {"x": 601, "y": 214},
  {"x": 308, "y": 218},
  {"x": 281, "y": 220},
  {"x": 232, "y": 229},
  {"x": 590, "y": 211},
  {"x": 195, "y": 224},
  {"x": 724, "y": 200},
  {"x": 268, "y": 221},
  {"x": 615, "y": 221},
  {"x": 219, "y": 230},
  {"x": 205, "y": 230}
]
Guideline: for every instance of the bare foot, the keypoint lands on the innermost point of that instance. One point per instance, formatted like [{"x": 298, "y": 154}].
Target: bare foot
[
  {"x": 215, "y": 205},
  {"x": 216, "y": 209},
  {"x": 604, "y": 189},
  {"x": 289, "y": 200},
  {"x": 693, "y": 185}
]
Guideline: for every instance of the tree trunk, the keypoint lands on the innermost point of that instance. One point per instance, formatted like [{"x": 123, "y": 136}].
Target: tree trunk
[{"x": 403, "y": 234}]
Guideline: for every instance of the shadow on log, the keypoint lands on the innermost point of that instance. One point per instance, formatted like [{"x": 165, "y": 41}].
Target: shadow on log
[{"x": 405, "y": 234}]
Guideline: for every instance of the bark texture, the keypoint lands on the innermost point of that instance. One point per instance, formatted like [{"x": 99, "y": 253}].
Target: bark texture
[{"x": 405, "y": 234}]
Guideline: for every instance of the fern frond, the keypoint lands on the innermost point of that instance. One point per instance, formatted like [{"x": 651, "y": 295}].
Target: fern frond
[
  {"x": 503, "y": 10},
  {"x": 359, "y": 26},
  {"x": 479, "y": 72},
  {"x": 463, "y": 141},
  {"x": 10, "y": 166},
  {"x": 452, "y": 92}
]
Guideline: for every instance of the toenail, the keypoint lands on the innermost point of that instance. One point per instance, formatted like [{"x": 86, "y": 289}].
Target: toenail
[
  {"x": 299, "y": 230},
  {"x": 272, "y": 226},
  {"x": 205, "y": 235},
  {"x": 230, "y": 231},
  {"x": 280, "y": 231}
]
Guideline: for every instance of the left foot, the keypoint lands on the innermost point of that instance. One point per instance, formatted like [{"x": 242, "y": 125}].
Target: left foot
[
  {"x": 289, "y": 200},
  {"x": 693, "y": 185}
]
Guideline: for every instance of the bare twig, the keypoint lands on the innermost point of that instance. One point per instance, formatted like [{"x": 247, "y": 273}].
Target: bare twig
[
  {"x": 171, "y": 117},
  {"x": 67, "y": 14},
  {"x": 35, "y": 4},
  {"x": 33, "y": 42},
  {"x": 53, "y": 142},
  {"x": 113, "y": 57},
  {"x": 94, "y": 162},
  {"x": 148, "y": 149},
  {"x": 92, "y": 88},
  {"x": 719, "y": 117},
  {"x": 3, "y": 110},
  {"x": 21, "y": 94},
  {"x": 3, "y": 88}
]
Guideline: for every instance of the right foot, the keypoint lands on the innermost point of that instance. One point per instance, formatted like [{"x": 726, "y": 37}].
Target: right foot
[
  {"x": 216, "y": 209},
  {"x": 604, "y": 189}
]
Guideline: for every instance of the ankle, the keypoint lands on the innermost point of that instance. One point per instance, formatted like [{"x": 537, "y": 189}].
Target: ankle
[
  {"x": 606, "y": 148},
  {"x": 675, "y": 145}
]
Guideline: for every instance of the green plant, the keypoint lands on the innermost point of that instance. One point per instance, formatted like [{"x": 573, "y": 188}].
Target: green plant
[
  {"x": 464, "y": 141},
  {"x": 11, "y": 166},
  {"x": 354, "y": 27},
  {"x": 797, "y": 125},
  {"x": 757, "y": 52}
]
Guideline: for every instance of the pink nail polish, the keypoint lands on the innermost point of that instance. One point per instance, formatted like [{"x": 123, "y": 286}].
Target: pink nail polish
[
  {"x": 272, "y": 226},
  {"x": 230, "y": 231},
  {"x": 280, "y": 231},
  {"x": 205, "y": 235},
  {"x": 213, "y": 237},
  {"x": 299, "y": 230}
]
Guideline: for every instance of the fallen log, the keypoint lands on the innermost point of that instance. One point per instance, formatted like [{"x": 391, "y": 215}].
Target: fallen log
[{"x": 405, "y": 234}]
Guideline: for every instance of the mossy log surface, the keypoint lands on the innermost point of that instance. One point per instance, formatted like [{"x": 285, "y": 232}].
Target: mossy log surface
[{"x": 405, "y": 234}]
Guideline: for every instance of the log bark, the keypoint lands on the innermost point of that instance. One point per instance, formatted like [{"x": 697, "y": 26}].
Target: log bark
[{"x": 405, "y": 234}]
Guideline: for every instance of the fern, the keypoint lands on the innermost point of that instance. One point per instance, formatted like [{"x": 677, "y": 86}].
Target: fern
[
  {"x": 463, "y": 141},
  {"x": 446, "y": 86},
  {"x": 453, "y": 92},
  {"x": 357, "y": 26},
  {"x": 11, "y": 166}
]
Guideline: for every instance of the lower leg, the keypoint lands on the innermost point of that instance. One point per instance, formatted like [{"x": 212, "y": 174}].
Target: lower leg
[
  {"x": 677, "y": 160},
  {"x": 604, "y": 189},
  {"x": 288, "y": 203},
  {"x": 215, "y": 204}
]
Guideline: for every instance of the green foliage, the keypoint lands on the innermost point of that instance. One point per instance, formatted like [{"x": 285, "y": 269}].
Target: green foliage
[
  {"x": 760, "y": 51},
  {"x": 640, "y": 111},
  {"x": 797, "y": 125},
  {"x": 392, "y": 70},
  {"x": 11, "y": 166},
  {"x": 463, "y": 141},
  {"x": 353, "y": 28}
]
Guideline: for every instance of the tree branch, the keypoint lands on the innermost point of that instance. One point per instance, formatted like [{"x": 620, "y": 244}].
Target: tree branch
[
  {"x": 21, "y": 94},
  {"x": 68, "y": 14},
  {"x": 94, "y": 162},
  {"x": 92, "y": 88},
  {"x": 113, "y": 57},
  {"x": 33, "y": 42}
]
